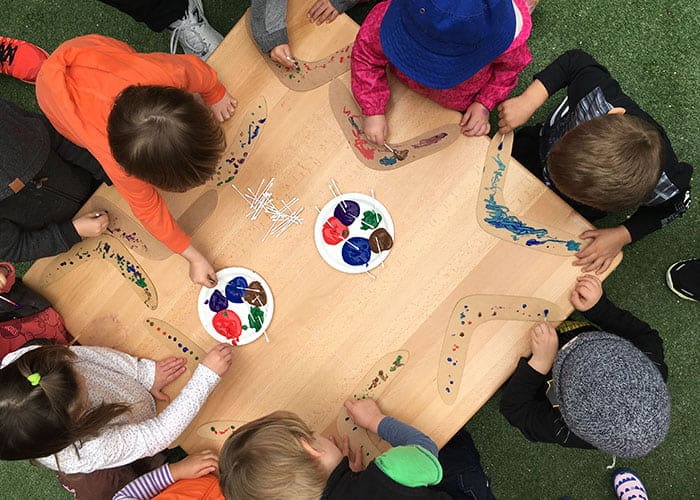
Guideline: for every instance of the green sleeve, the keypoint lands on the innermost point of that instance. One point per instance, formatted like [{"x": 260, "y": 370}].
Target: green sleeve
[{"x": 411, "y": 466}]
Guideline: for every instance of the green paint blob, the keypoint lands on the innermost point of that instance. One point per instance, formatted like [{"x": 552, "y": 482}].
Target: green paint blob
[
  {"x": 256, "y": 318},
  {"x": 141, "y": 282},
  {"x": 370, "y": 220}
]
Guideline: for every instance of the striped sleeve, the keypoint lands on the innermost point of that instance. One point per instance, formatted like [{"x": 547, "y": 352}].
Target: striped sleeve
[{"x": 146, "y": 486}]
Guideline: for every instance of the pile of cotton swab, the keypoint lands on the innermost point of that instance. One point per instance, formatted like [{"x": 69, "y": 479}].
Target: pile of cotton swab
[{"x": 261, "y": 201}]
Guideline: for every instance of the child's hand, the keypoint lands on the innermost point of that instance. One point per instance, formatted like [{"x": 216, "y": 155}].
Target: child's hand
[
  {"x": 322, "y": 12},
  {"x": 354, "y": 458},
  {"x": 365, "y": 413},
  {"x": 202, "y": 273},
  {"x": 3, "y": 277},
  {"x": 282, "y": 54},
  {"x": 167, "y": 370},
  {"x": 517, "y": 111},
  {"x": 92, "y": 224},
  {"x": 219, "y": 359},
  {"x": 225, "y": 108},
  {"x": 599, "y": 253},
  {"x": 195, "y": 465},
  {"x": 475, "y": 121},
  {"x": 375, "y": 129},
  {"x": 545, "y": 345},
  {"x": 586, "y": 293}
]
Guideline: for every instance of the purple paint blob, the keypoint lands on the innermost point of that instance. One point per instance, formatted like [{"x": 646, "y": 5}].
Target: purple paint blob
[
  {"x": 359, "y": 254},
  {"x": 217, "y": 301},
  {"x": 236, "y": 288},
  {"x": 347, "y": 211}
]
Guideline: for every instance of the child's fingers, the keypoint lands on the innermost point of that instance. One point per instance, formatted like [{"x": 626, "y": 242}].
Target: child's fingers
[{"x": 160, "y": 395}]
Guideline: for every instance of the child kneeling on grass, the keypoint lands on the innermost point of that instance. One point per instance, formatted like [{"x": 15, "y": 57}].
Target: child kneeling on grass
[
  {"x": 601, "y": 152},
  {"x": 588, "y": 388},
  {"x": 278, "y": 456},
  {"x": 89, "y": 412}
]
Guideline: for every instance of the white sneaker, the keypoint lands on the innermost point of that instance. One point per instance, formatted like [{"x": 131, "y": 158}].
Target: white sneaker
[{"x": 194, "y": 33}]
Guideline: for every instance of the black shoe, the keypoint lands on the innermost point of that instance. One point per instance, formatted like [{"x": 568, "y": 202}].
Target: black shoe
[{"x": 683, "y": 278}]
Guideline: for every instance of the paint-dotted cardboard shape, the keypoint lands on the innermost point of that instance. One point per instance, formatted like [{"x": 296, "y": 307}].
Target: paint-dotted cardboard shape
[
  {"x": 241, "y": 145},
  {"x": 176, "y": 341},
  {"x": 349, "y": 117},
  {"x": 137, "y": 239},
  {"x": 473, "y": 311},
  {"x": 219, "y": 430},
  {"x": 495, "y": 218},
  {"x": 109, "y": 249},
  {"x": 372, "y": 385},
  {"x": 308, "y": 75}
]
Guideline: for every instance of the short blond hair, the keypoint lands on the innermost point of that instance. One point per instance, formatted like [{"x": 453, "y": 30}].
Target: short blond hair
[
  {"x": 264, "y": 459},
  {"x": 612, "y": 162}
]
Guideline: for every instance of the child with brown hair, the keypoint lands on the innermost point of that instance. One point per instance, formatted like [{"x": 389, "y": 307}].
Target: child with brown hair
[
  {"x": 601, "y": 152},
  {"x": 89, "y": 412},
  {"x": 138, "y": 115},
  {"x": 465, "y": 56}
]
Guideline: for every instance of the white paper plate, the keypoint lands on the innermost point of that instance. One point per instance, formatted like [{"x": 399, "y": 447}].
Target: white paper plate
[
  {"x": 339, "y": 256},
  {"x": 242, "y": 310}
]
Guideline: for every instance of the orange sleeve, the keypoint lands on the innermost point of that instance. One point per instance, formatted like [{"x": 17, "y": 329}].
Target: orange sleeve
[{"x": 147, "y": 206}]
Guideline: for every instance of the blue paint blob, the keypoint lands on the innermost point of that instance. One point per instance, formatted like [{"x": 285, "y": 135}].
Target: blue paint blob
[
  {"x": 388, "y": 160},
  {"x": 217, "y": 302},
  {"x": 235, "y": 289},
  {"x": 353, "y": 256},
  {"x": 524, "y": 306},
  {"x": 347, "y": 211},
  {"x": 546, "y": 312}
]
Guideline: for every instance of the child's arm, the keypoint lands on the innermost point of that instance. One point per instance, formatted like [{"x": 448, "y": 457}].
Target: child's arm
[
  {"x": 506, "y": 69},
  {"x": 534, "y": 415},
  {"x": 589, "y": 298},
  {"x": 122, "y": 444},
  {"x": 18, "y": 244},
  {"x": 413, "y": 460},
  {"x": 370, "y": 84},
  {"x": 7, "y": 277},
  {"x": 268, "y": 22},
  {"x": 151, "y": 484}
]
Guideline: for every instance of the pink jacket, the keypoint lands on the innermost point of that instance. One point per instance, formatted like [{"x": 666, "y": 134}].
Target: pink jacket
[{"x": 489, "y": 86}]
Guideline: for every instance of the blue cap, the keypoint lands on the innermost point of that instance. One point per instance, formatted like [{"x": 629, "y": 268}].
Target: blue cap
[{"x": 441, "y": 43}]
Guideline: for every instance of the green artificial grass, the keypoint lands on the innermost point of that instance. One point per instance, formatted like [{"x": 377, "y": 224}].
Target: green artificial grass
[{"x": 651, "y": 46}]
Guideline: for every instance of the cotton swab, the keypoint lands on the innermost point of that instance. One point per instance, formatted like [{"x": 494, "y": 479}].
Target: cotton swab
[
  {"x": 11, "y": 302},
  {"x": 380, "y": 250},
  {"x": 371, "y": 275}
]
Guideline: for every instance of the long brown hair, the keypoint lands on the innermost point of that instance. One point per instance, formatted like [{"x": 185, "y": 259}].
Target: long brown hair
[
  {"x": 40, "y": 420},
  {"x": 165, "y": 136},
  {"x": 612, "y": 162},
  {"x": 265, "y": 459}
]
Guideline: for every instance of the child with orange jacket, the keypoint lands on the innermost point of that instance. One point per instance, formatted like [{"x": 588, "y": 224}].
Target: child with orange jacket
[{"x": 138, "y": 115}]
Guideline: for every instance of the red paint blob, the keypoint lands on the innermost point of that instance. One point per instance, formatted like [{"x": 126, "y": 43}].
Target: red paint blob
[
  {"x": 334, "y": 231},
  {"x": 228, "y": 324}
]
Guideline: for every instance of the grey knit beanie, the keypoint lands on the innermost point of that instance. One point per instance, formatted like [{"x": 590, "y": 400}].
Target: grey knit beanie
[{"x": 611, "y": 394}]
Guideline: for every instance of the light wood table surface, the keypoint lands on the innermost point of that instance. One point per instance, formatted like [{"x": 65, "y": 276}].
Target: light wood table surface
[{"x": 329, "y": 328}]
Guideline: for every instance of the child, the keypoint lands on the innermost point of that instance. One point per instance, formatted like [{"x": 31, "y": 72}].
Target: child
[
  {"x": 601, "y": 152},
  {"x": 268, "y": 21},
  {"x": 25, "y": 315},
  {"x": 137, "y": 114},
  {"x": 465, "y": 56},
  {"x": 83, "y": 409},
  {"x": 45, "y": 180},
  {"x": 279, "y": 457},
  {"x": 602, "y": 389}
]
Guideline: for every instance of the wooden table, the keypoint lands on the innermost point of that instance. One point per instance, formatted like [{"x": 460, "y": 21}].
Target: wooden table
[{"x": 329, "y": 328}]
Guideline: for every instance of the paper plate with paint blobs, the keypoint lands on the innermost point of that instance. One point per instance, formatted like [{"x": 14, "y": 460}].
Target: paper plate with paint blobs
[
  {"x": 238, "y": 309},
  {"x": 354, "y": 233}
]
